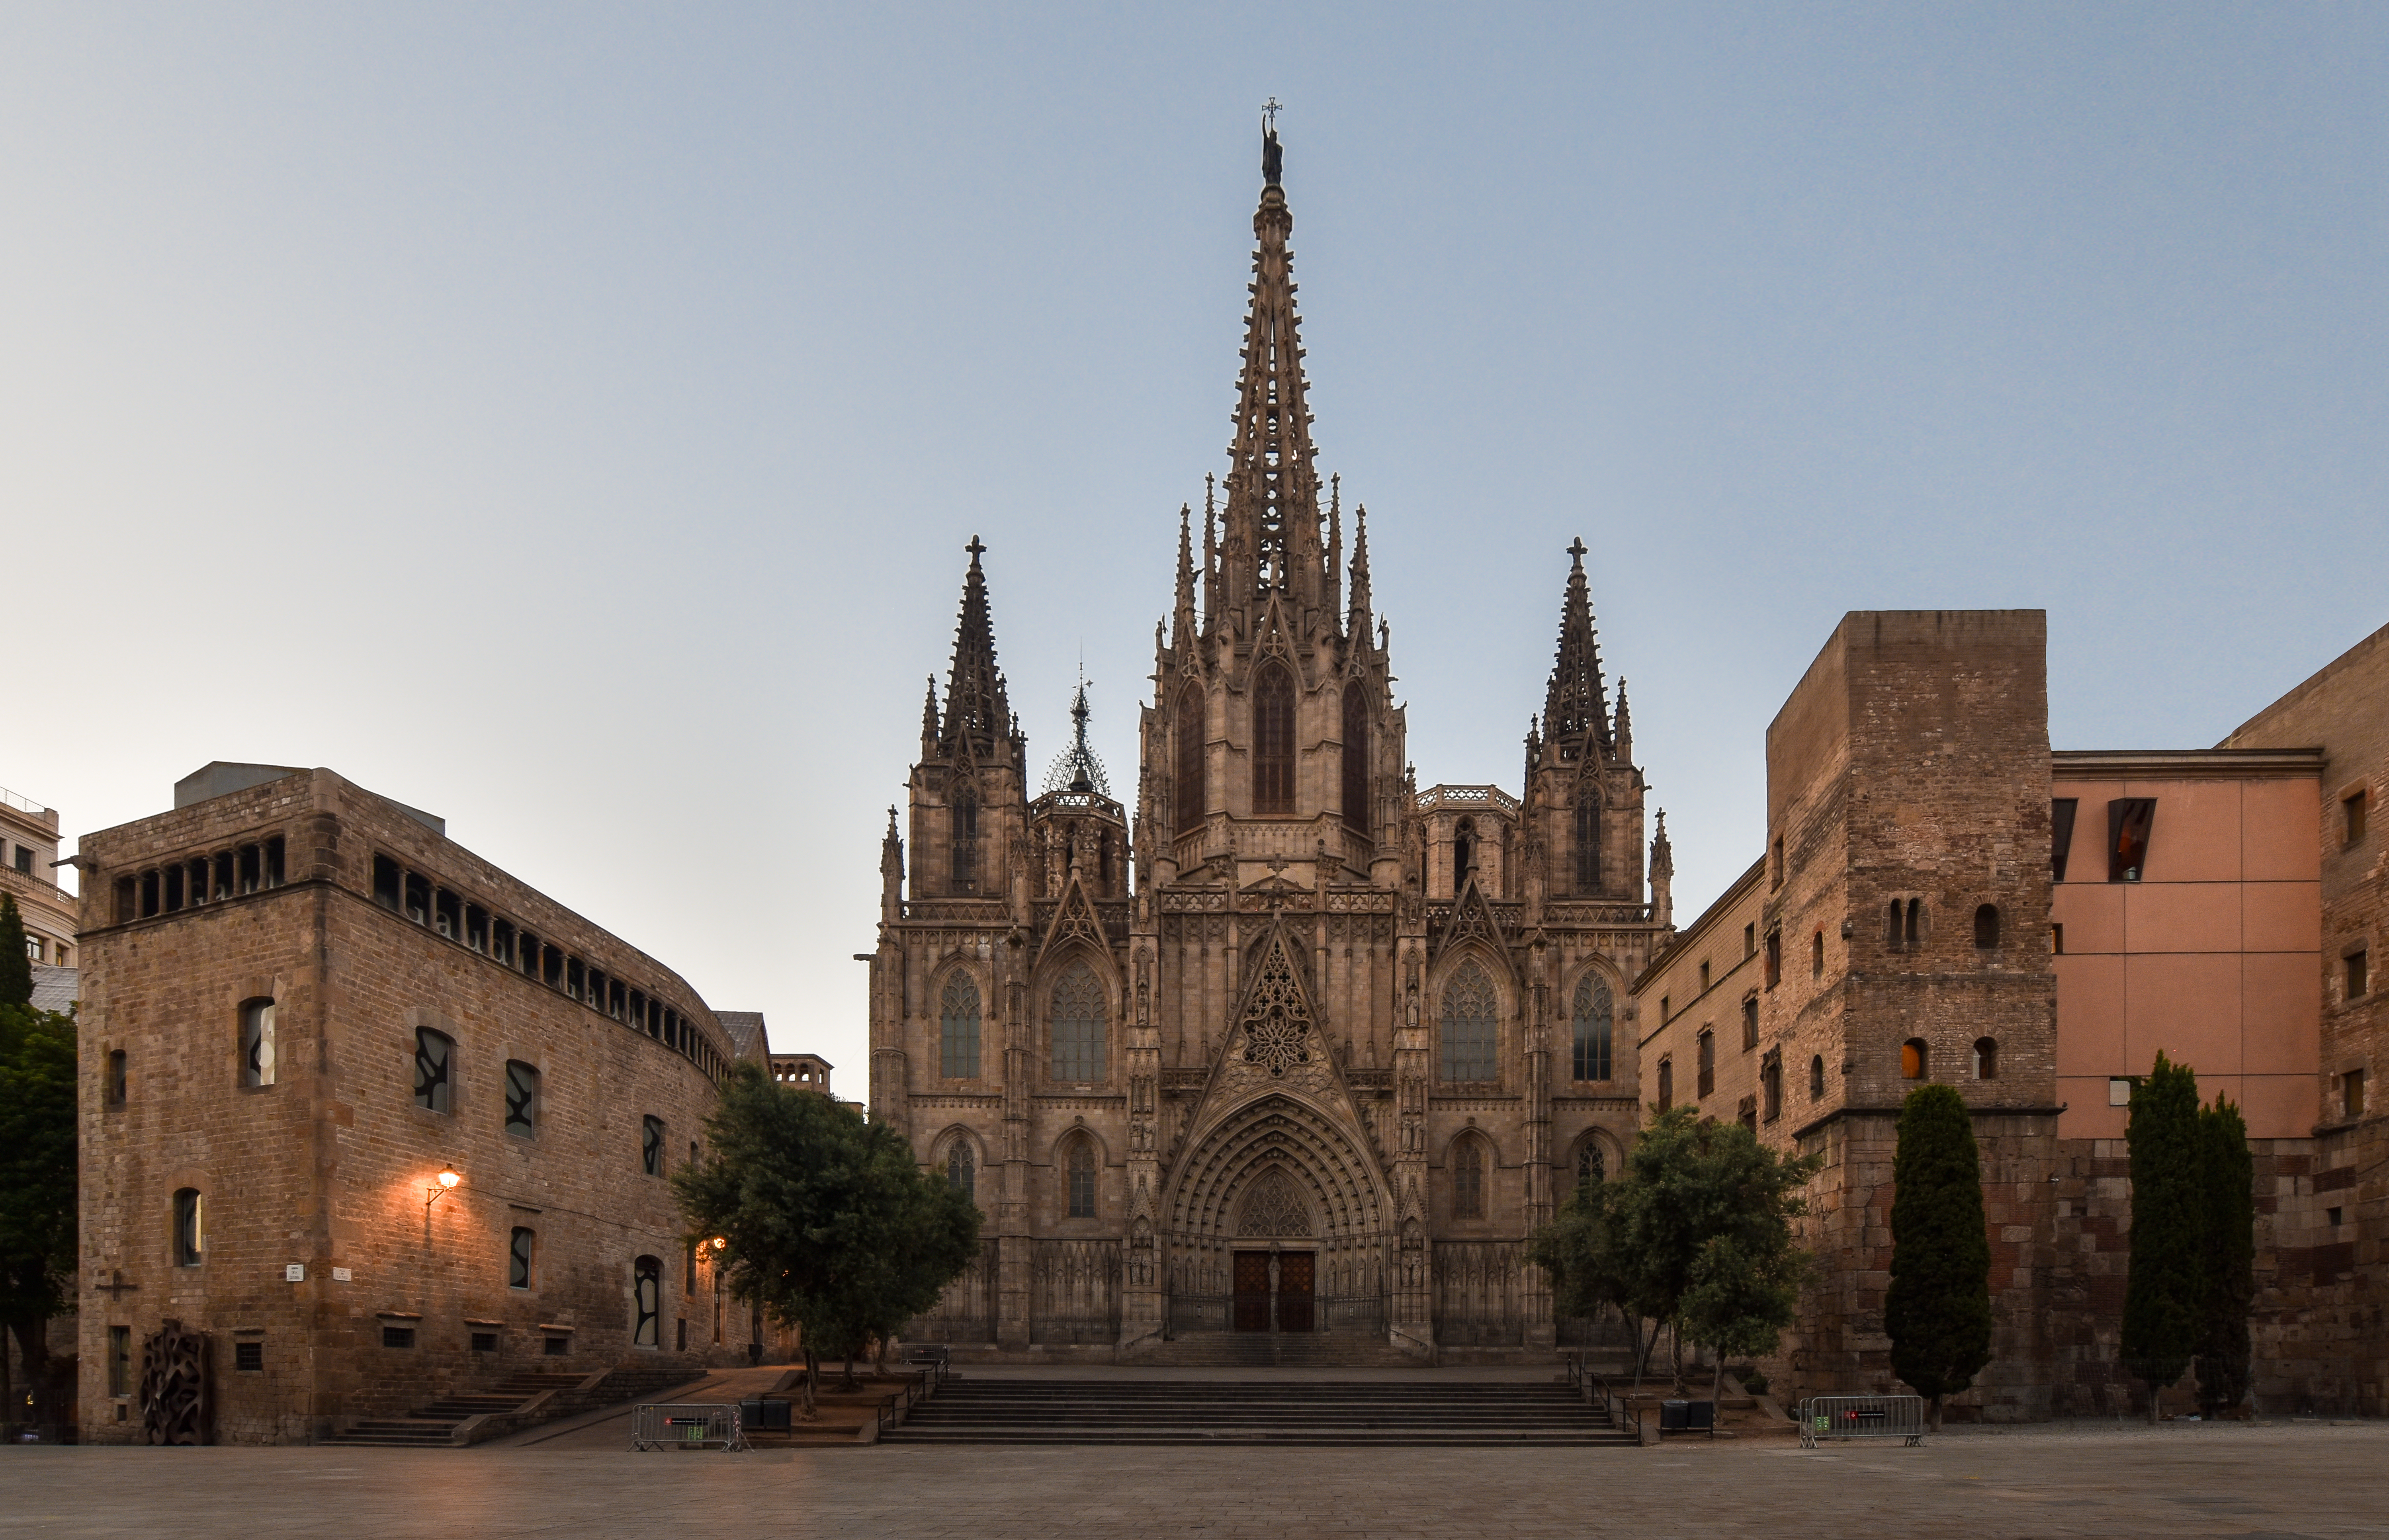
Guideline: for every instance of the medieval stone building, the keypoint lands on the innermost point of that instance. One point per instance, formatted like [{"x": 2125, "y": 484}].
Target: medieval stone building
[{"x": 1302, "y": 1047}]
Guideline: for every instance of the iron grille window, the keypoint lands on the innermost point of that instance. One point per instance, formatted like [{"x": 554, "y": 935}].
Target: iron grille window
[
  {"x": 522, "y": 1100},
  {"x": 398, "y": 1336},
  {"x": 520, "y": 1247},
  {"x": 249, "y": 1357},
  {"x": 651, "y": 1146},
  {"x": 1273, "y": 740},
  {"x": 1078, "y": 1019},
  {"x": 647, "y": 1302},
  {"x": 1469, "y": 1004},
  {"x": 961, "y": 1169},
  {"x": 958, "y": 1029},
  {"x": 1592, "y": 1029},
  {"x": 1082, "y": 1180},
  {"x": 1589, "y": 1164},
  {"x": 257, "y": 1043},
  {"x": 435, "y": 1056}
]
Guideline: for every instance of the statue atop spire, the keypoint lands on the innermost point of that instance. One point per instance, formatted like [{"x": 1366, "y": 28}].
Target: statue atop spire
[
  {"x": 1576, "y": 705},
  {"x": 1272, "y": 154},
  {"x": 976, "y": 712}
]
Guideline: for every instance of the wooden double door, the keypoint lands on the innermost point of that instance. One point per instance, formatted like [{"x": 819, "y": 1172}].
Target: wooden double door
[{"x": 1275, "y": 1290}]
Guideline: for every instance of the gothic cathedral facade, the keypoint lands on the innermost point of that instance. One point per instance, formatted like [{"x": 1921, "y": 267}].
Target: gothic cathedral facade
[{"x": 1301, "y": 1048}]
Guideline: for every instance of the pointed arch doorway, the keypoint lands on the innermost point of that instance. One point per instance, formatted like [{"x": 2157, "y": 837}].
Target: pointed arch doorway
[{"x": 1276, "y": 1273}]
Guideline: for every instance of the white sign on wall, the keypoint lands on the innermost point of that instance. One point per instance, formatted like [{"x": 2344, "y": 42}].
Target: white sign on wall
[
  {"x": 295, "y": 1273},
  {"x": 339, "y": 1274}
]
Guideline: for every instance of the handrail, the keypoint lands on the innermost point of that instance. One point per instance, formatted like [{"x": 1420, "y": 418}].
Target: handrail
[{"x": 21, "y": 804}]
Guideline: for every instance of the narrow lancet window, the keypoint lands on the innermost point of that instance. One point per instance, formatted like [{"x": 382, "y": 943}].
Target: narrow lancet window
[
  {"x": 1592, "y": 1029},
  {"x": 958, "y": 1029},
  {"x": 1273, "y": 740},
  {"x": 257, "y": 1043},
  {"x": 1356, "y": 757},
  {"x": 1189, "y": 789},
  {"x": 1078, "y": 1019}
]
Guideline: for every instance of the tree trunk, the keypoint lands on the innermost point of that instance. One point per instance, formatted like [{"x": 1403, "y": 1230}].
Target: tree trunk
[
  {"x": 806, "y": 1410},
  {"x": 1937, "y": 1413},
  {"x": 848, "y": 1382},
  {"x": 1717, "y": 1383}
]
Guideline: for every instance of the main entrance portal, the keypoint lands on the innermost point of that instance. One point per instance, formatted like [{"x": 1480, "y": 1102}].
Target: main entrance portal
[{"x": 1275, "y": 1290}]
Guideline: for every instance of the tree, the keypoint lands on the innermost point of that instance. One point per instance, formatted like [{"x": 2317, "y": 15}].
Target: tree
[
  {"x": 2165, "y": 1297},
  {"x": 37, "y": 1184},
  {"x": 16, "y": 963},
  {"x": 828, "y": 1224},
  {"x": 1696, "y": 1233},
  {"x": 2227, "y": 1182},
  {"x": 1937, "y": 1311}
]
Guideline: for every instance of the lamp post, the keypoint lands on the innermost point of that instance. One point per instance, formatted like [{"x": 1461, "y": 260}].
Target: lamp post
[{"x": 440, "y": 1187}]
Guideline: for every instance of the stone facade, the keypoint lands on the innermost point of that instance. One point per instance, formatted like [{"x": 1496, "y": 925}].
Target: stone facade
[
  {"x": 264, "y": 1118},
  {"x": 1323, "y": 1063}
]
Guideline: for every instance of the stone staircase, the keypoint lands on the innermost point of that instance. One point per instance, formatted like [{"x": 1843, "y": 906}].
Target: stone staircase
[
  {"x": 521, "y": 1400},
  {"x": 1275, "y": 1350},
  {"x": 1311, "y": 1412}
]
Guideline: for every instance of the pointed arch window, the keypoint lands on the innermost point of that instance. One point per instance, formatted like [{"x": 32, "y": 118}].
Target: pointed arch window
[
  {"x": 1468, "y": 1179},
  {"x": 256, "y": 1042},
  {"x": 1356, "y": 757},
  {"x": 965, "y": 817},
  {"x": 1469, "y": 1007},
  {"x": 648, "y": 1299},
  {"x": 1078, "y": 1020},
  {"x": 958, "y": 1029},
  {"x": 1080, "y": 1167},
  {"x": 1189, "y": 787},
  {"x": 1593, "y": 1028},
  {"x": 1463, "y": 853},
  {"x": 1590, "y": 1166},
  {"x": 1273, "y": 738},
  {"x": 961, "y": 1168},
  {"x": 1588, "y": 839}
]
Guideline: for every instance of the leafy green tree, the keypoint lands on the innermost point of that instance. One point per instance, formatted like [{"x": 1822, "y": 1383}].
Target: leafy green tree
[
  {"x": 2228, "y": 1180},
  {"x": 37, "y": 1184},
  {"x": 16, "y": 964},
  {"x": 1694, "y": 1233},
  {"x": 2165, "y": 1298},
  {"x": 1937, "y": 1311},
  {"x": 829, "y": 1224}
]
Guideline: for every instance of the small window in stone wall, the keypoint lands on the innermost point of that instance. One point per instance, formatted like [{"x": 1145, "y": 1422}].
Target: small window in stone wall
[
  {"x": 646, "y": 1298},
  {"x": 2352, "y": 810},
  {"x": 1815, "y": 1076},
  {"x": 485, "y": 1342},
  {"x": 1666, "y": 1084},
  {"x": 1705, "y": 1060},
  {"x": 120, "y": 1360},
  {"x": 114, "y": 1090},
  {"x": 257, "y": 1043},
  {"x": 557, "y": 1347},
  {"x": 1987, "y": 1059},
  {"x": 1774, "y": 957},
  {"x": 190, "y": 1228},
  {"x": 522, "y": 1100},
  {"x": 522, "y": 1248},
  {"x": 1817, "y": 955},
  {"x": 2351, "y": 1095},
  {"x": 1913, "y": 1059},
  {"x": 1750, "y": 1023},
  {"x": 398, "y": 1336},
  {"x": 651, "y": 1146},
  {"x": 435, "y": 1059},
  {"x": 249, "y": 1357},
  {"x": 1987, "y": 926},
  {"x": 1771, "y": 1085},
  {"x": 2357, "y": 974}
]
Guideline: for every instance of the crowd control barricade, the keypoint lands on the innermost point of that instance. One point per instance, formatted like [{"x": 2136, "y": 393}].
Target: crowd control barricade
[
  {"x": 1849, "y": 1417},
  {"x": 699, "y": 1425}
]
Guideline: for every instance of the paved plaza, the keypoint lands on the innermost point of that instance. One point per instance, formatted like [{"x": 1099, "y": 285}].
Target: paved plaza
[{"x": 2278, "y": 1480}]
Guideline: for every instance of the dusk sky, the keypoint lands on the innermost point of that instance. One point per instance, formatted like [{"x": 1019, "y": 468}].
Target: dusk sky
[{"x": 568, "y": 419}]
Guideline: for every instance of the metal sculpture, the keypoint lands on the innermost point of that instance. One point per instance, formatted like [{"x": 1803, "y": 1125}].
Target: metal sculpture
[{"x": 175, "y": 1400}]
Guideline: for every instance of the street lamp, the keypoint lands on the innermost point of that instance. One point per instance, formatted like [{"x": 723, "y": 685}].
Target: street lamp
[{"x": 442, "y": 1186}]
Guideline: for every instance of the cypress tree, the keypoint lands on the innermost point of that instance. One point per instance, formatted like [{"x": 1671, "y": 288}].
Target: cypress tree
[
  {"x": 16, "y": 968},
  {"x": 1937, "y": 1311},
  {"x": 2165, "y": 1298},
  {"x": 2229, "y": 1178}
]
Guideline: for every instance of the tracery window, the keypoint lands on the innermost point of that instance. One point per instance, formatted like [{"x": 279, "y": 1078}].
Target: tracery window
[
  {"x": 958, "y": 1029},
  {"x": 1273, "y": 738},
  {"x": 1590, "y": 1167},
  {"x": 1469, "y": 1007},
  {"x": 963, "y": 870},
  {"x": 1468, "y": 1179},
  {"x": 1356, "y": 757},
  {"x": 1189, "y": 788},
  {"x": 435, "y": 1057},
  {"x": 522, "y": 1100},
  {"x": 1588, "y": 840},
  {"x": 647, "y": 1302},
  {"x": 257, "y": 1043},
  {"x": 1593, "y": 1028},
  {"x": 1081, "y": 1170},
  {"x": 651, "y": 1145},
  {"x": 1077, "y": 1020}
]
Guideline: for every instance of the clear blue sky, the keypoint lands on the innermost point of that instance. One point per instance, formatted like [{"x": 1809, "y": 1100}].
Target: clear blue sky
[{"x": 568, "y": 418}]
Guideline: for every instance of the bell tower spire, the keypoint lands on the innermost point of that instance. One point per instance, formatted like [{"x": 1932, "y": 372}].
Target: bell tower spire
[
  {"x": 1272, "y": 542},
  {"x": 1575, "y": 704},
  {"x": 976, "y": 713}
]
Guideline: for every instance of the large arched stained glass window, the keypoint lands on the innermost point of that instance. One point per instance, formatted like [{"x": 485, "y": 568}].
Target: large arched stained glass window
[
  {"x": 1591, "y": 1029},
  {"x": 1468, "y": 1179},
  {"x": 1189, "y": 779},
  {"x": 1077, "y": 1020},
  {"x": 1273, "y": 738},
  {"x": 1469, "y": 1005},
  {"x": 958, "y": 1029}
]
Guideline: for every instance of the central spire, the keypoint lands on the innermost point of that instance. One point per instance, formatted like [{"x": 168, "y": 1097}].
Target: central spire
[
  {"x": 1575, "y": 704},
  {"x": 976, "y": 713},
  {"x": 1272, "y": 542}
]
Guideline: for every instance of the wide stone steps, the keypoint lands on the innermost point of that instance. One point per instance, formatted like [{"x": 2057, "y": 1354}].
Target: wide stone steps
[
  {"x": 1314, "y": 1412},
  {"x": 1274, "y": 1350},
  {"x": 433, "y": 1425}
]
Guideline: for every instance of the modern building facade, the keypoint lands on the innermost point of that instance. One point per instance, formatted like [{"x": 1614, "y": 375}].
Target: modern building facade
[{"x": 29, "y": 852}]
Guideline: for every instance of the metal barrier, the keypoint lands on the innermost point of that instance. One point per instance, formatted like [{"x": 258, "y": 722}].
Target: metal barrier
[
  {"x": 1827, "y": 1416},
  {"x": 690, "y": 1426}
]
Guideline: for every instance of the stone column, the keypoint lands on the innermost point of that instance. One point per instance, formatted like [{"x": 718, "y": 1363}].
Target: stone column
[
  {"x": 1144, "y": 1298},
  {"x": 1011, "y": 1209}
]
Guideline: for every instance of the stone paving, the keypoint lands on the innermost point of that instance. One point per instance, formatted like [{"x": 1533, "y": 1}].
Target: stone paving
[{"x": 2260, "y": 1483}]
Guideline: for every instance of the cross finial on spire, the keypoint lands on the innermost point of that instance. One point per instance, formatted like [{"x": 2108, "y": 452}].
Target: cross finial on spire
[
  {"x": 1269, "y": 109},
  {"x": 976, "y": 550},
  {"x": 1576, "y": 549}
]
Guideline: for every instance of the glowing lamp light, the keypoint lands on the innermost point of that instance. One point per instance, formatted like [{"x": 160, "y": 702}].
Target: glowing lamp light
[
  {"x": 720, "y": 1244},
  {"x": 448, "y": 1178}
]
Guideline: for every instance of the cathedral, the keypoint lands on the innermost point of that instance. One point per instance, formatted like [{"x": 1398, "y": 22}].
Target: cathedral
[{"x": 1298, "y": 1048}]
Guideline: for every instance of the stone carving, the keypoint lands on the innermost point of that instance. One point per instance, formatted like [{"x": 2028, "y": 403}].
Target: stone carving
[
  {"x": 1277, "y": 1017},
  {"x": 1275, "y": 1211}
]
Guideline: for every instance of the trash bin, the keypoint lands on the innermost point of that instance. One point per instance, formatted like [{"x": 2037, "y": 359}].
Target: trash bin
[
  {"x": 1673, "y": 1416},
  {"x": 750, "y": 1414},
  {"x": 775, "y": 1414}
]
